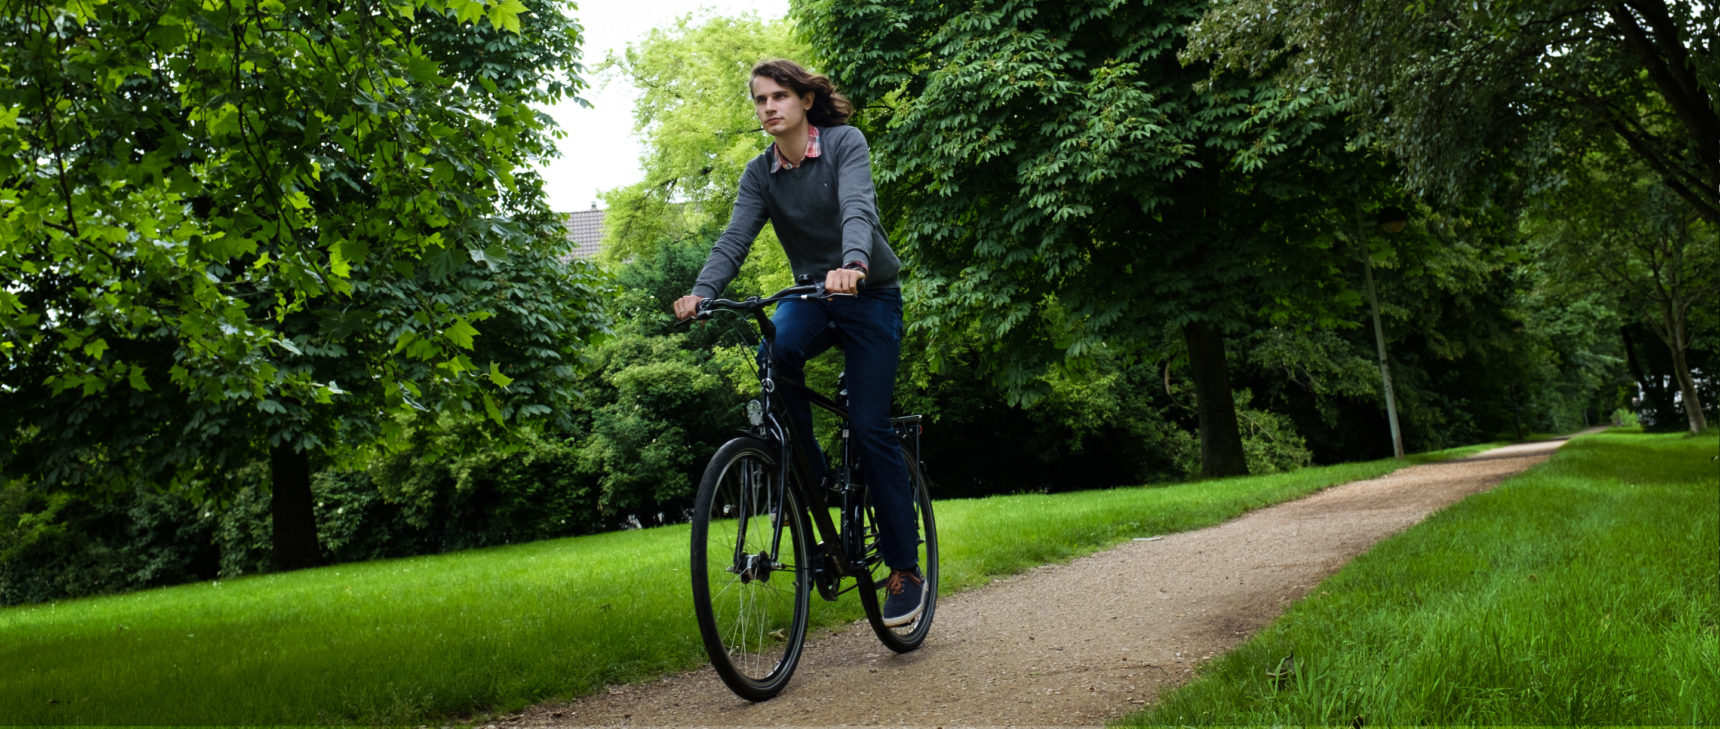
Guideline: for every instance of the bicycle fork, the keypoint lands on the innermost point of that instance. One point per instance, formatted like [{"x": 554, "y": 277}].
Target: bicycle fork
[{"x": 757, "y": 497}]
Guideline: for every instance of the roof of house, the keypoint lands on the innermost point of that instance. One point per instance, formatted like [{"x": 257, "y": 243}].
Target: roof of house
[{"x": 585, "y": 229}]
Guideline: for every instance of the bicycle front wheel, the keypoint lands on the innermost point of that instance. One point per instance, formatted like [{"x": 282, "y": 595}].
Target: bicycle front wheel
[{"x": 750, "y": 569}]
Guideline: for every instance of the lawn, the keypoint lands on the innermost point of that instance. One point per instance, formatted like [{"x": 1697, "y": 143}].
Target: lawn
[
  {"x": 1585, "y": 591},
  {"x": 435, "y": 638}
]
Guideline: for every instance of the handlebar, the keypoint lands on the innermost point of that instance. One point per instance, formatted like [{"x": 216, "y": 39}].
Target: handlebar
[{"x": 805, "y": 292}]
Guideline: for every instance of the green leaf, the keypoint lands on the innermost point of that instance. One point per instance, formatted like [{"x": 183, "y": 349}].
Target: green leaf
[
  {"x": 223, "y": 121},
  {"x": 137, "y": 381},
  {"x": 506, "y": 15},
  {"x": 467, "y": 11},
  {"x": 422, "y": 69},
  {"x": 337, "y": 263},
  {"x": 461, "y": 333},
  {"x": 497, "y": 377}
]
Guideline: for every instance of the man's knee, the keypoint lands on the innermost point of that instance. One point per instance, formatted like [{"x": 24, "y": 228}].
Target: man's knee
[{"x": 788, "y": 358}]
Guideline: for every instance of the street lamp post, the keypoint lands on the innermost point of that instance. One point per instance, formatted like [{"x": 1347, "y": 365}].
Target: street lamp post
[{"x": 1390, "y": 220}]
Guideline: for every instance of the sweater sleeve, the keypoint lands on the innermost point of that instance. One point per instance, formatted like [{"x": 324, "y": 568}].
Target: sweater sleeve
[
  {"x": 731, "y": 249},
  {"x": 855, "y": 196}
]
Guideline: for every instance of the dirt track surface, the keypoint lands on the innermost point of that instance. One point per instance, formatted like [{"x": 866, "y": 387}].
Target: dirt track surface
[{"x": 1073, "y": 644}]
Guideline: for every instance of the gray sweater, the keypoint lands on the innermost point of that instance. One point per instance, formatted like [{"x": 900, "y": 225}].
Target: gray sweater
[{"x": 824, "y": 212}]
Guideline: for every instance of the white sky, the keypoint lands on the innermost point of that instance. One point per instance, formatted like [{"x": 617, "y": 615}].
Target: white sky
[{"x": 600, "y": 152}]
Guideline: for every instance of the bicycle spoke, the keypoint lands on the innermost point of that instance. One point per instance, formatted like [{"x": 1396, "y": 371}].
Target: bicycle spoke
[
  {"x": 910, "y": 635},
  {"x": 752, "y": 607}
]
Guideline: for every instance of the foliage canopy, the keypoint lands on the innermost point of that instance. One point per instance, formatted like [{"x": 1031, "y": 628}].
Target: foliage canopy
[
  {"x": 1463, "y": 91},
  {"x": 237, "y": 228}
]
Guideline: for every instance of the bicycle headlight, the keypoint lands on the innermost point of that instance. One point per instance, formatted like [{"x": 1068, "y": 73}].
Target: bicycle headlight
[{"x": 755, "y": 413}]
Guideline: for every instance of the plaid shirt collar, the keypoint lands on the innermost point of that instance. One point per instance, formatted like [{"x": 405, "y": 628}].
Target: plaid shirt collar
[{"x": 778, "y": 162}]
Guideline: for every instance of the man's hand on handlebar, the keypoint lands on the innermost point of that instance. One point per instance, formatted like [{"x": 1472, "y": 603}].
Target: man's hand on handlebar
[
  {"x": 687, "y": 306},
  {"x": 843, "y": 281}
]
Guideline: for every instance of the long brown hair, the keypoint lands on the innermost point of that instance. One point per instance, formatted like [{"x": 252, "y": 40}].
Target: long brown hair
[{"x": 829, "y": 107}]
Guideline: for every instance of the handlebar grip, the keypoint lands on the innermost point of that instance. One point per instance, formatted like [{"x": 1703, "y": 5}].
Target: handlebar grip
[
  {"x": 810, "y": 280},
  {"x": 701, "y": 311}
]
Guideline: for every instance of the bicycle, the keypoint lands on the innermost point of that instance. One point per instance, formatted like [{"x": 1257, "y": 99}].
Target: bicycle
[{"x": 755, "y": 556}]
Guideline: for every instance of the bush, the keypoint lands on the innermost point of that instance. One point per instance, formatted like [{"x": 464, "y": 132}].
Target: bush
[
  {"x": 1270, "y": 442},
  {"x": 59, "y": 545},
  {"x": 539, "y": 488},
  {"x": 244, "y": 529}
]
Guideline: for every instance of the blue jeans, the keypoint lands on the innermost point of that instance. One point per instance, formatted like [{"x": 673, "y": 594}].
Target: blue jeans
[{"x": 868, "y": 327}]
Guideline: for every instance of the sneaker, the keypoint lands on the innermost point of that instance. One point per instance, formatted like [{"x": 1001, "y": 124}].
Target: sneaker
[{"x": 905, "y": 597}]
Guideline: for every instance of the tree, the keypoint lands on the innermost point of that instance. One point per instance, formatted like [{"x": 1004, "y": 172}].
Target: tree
[
  {"x": 660, "y": 407},
  {"x": 1617, "y": 228},
  {"x": 1462, "y": 91},
  {"x": 696, "y": 123},
  {"x": 657, "y": 402},
  {"x": 1055, "y": 172},
  {"x": 282, "y": 228}
]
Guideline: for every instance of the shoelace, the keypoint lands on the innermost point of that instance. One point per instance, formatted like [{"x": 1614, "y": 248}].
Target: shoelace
[{"x": 894, "y": 584}]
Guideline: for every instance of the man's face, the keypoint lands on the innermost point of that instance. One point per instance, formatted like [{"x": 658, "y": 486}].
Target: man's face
[{"x": 778, "y": 109}]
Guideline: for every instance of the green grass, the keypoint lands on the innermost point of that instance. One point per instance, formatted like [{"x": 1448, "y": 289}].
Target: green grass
[
  {"x": 426, "y": 639},
  {"x": 1582, "y": 592}
]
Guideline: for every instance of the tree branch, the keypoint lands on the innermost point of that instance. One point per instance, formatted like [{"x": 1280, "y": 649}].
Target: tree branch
[
  {"x": 1676, "y": 81},
  {"x": 1701, "y": 197},
  {"x": 59, "y": 152},
  {"x": 1679, "y": 68},
  {"x": 259, "y": 158}
]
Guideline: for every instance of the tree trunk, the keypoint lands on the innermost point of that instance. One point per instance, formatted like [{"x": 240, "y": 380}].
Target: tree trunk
[
  {"x": 1517, "y": 413},
  {"x": 1673, "y": 334},
  {"x": 1687, "y": 388},
  {"x": 1654, "y": 405},
  {"x": 295, "y": 519},
  {"x": 1220, "y": 437}
]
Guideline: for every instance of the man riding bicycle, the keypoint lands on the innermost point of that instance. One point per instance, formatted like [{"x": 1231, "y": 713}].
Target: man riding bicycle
[{"x": 814, "y": 185}]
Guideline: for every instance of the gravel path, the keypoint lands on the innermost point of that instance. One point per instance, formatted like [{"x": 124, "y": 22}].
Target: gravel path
[{"x": 1073, "y": 644}]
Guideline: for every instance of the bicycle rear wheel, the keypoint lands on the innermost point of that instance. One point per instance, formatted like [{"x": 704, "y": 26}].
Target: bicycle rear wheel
[
  {"x": 750, "y": 592},
  {"x": 904, "y": 638}
]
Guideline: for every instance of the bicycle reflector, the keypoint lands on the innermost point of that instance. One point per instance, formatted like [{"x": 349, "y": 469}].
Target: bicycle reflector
[{"x": 755, "y": 413}]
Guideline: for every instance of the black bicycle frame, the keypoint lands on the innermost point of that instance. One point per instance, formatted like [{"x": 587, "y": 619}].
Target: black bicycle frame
[
  {"x": 797, "y": 457},
  {"x": 847, "y": 556}
]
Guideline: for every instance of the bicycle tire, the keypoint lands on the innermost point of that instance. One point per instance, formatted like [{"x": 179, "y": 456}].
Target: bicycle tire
[
  {"x": 904, "y": 638},
  {"x": 752, "y": 612}
]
